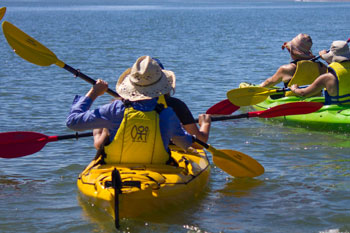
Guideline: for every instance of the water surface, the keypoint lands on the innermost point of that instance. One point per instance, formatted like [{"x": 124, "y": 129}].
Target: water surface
[{"x": 212, "y": 47}]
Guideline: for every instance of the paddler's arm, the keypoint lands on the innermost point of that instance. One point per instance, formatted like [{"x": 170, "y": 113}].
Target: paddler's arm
[
  {"x": 81, "y": 118},
  {"x": 171, "y": 129},
  {"x": 97, "y": 90},
  {"x": 100, "y": 136},
  {"x": 284, "y": 73},
  {"x": 327, "y": 81},
  {"x": 204, "y": 121}
]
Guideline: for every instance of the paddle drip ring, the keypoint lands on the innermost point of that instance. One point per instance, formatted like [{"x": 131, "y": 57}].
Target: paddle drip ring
[{"x": 76, "y": 75}]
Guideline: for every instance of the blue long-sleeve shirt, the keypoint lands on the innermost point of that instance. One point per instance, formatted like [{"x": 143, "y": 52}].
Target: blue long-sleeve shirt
[{"x": 111, "y": 115}]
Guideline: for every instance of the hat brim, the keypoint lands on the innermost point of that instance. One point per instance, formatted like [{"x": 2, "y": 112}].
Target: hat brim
[
  {"x": 331, "y": 57},
  {"x": 128, "y": 90}
]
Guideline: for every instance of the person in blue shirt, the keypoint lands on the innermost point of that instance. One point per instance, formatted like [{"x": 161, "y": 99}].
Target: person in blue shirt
[
  {"x": 139, "y": 128},
  {"x": 184, "y": 114}
]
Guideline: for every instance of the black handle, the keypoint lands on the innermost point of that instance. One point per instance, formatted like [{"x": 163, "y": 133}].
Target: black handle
[
  {"x": 86, "y": 78},
  {"x": 229, "y": 117},
  {"x": 76, "y": 135}
]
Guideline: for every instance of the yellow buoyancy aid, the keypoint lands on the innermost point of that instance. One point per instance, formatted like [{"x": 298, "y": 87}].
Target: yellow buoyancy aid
[
  {"x": 138, "y": 140},
  {"x": 342, "y": 72},
  {"x": 305, "y": 73}
]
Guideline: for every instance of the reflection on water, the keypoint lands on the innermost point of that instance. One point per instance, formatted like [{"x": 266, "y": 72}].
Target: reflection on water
[
  {"x": 175, "y": 217},
  {"x": 103, "y": 222},
  {"x": 10, "y": 181},
  {"x": 240, "y": 187},
  {"x": 328, "y": 168},
  {"x": 10, "y": 184}
]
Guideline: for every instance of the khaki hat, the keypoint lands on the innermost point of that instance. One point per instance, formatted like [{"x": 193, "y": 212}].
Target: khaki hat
[
  {"x": 338, "y": 52},
  {"x": 300, "y": 46},
  {"x": 145, "y": 80}
]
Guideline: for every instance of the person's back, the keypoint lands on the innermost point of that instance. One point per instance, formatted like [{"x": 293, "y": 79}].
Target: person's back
[
  {"x": 298, "y": 71},
  {"x": 306, "y": 72},
  {"x": 183, "y": 113},
  {"x": 143, "y": 134},
  {"x": 134, "y": 124},
  {"x": 337, "y": 80}
]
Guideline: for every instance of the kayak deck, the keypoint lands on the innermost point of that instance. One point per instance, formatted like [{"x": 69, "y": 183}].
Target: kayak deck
[
  {"x": 146, "y": 189},
  {"x": 328, "y": 118}
]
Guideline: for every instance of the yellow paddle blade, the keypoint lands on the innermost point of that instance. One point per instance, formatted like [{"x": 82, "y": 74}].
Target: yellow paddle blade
[
  {"x": 27, "y": 47},
  {"x": 2, "y": 12},
  {"x": 236, "y": 163},
  {"x": 249, "y": 95}
]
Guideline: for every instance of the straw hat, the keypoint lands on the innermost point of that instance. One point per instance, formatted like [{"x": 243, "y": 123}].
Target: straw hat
[
  {"x": 145, "y": 80},
  {"x": 338, "y": 52},
  {"x": 300, "y": 46}
]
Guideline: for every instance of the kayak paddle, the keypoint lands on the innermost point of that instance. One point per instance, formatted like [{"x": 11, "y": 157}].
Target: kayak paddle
[
  {"x": 33, "y": 51},
  {"x": 234, "y": 163},
  {"x": 21, "y": 143},
  {"x": 247, "y": 96},
  {"x": 2, "y": 12},
  {"x": 294, "y": 108},
  {"x": 224, "y": 107}
]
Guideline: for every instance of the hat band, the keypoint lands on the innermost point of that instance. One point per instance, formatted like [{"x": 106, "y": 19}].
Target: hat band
[{"x": 140, "y": 85}]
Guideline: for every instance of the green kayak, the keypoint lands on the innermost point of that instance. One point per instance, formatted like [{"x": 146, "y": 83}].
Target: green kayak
[{"x": 329, "y": 118}]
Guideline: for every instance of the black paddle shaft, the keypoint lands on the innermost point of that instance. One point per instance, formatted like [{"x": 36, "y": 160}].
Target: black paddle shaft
[
  {"x": 229, "y": 117},
  {"x": 76, "y": 135},
  {"x": 77, "y": 73}
]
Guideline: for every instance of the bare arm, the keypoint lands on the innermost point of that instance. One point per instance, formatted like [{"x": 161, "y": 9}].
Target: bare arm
[
  {"x": 284, "y": 73},
  {"x": 202, "y": 133},
  {"x": 327, "y": 81},
  {"x": 99, "y": 137}
]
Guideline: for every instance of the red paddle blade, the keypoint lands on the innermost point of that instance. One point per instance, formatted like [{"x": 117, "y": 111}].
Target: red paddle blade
[
  {"x": 18, "y": 144},
  {"x": 295, "y": 108},
  {"x": 224, "y": 107}
]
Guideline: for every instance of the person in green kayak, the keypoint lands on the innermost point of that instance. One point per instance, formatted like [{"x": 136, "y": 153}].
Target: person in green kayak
[
  {"x": 183, "y": 113},
  {"x": 336, "y": 81},
  {"x": 302, "y": 70},
  {"x": 139, "y": 128}
]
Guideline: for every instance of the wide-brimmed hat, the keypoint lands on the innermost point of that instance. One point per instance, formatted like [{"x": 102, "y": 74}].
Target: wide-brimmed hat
[
  {"x": 300, "y": 46},
  {"x": 338, "y": 52},
  {"x": 145, "y": 80}
]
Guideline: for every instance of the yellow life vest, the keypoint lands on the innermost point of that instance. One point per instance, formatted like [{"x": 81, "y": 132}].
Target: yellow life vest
[
  {"x": 138, "y": 140},
  {"x": 161, "y": 100},
  {"x": 306, "y": 72},
  {"x": 342, "y": 72}
]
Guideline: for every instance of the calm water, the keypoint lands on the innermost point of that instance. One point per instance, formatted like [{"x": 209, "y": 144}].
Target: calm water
[{"x": 211, "y": 47}]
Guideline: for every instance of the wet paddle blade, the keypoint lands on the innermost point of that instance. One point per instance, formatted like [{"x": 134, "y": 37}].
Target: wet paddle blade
[
  {"x": 295, "y": 108},
  {"x": 2, "y": 12},
  {"x": 233, "y": 162},
  {"x": 248, "y": 95},
  {"x": 27, "y": 47},
  {"x": 224, "y": 107},
  {"x": 236, "y": 163},
  {"x": 18, "y": 144}
]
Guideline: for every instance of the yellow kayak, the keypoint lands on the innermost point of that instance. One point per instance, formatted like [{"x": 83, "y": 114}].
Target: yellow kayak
[{"x": 145, "y": 189}]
